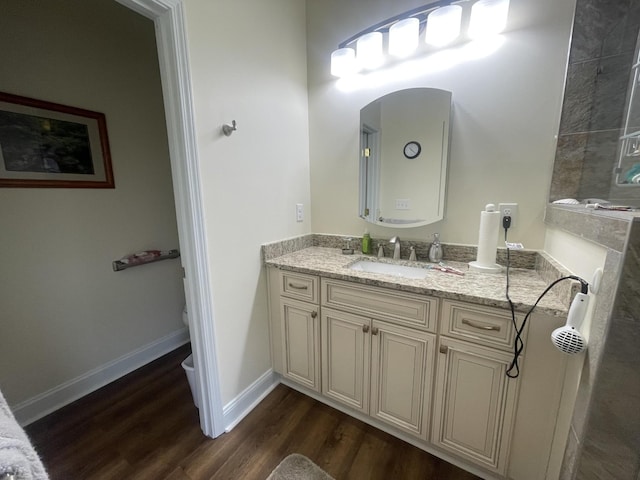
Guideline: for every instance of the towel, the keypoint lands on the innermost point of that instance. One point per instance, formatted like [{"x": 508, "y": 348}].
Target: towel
[{"x": 17, "y": 456}]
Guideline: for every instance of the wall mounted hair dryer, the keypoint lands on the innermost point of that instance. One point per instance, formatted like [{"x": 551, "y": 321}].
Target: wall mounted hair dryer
[{"x": 568, "y": 339}]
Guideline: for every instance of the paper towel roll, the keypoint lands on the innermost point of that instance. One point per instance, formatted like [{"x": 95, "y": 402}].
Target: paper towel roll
[{"x": 488, "y": 241}]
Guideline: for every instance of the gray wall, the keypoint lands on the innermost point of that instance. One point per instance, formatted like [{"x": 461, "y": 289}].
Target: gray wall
[
  {"x": 605, "y": 439},
  {"x": 602, "y": 51},
  {"x": 611, "y": 444}
]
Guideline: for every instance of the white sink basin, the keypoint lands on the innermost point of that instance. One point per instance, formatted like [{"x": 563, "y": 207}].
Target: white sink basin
[{"x": 389, "y": 269}]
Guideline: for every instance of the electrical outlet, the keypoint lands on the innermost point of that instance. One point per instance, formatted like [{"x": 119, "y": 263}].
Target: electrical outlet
[
  {"x": 403, "y": 204},
  {"x": 299, "y": 212},
  {"x": 508, "y": 210}
]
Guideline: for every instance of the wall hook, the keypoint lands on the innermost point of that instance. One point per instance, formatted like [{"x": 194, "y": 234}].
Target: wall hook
[{"x": 229, "y": 129}]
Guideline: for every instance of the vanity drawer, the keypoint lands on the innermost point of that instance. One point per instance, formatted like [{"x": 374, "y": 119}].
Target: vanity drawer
[
  {"x": 398, "y": 307},
  {"x": 483, "y": 325},
  {"x": 300, "y": 286}
]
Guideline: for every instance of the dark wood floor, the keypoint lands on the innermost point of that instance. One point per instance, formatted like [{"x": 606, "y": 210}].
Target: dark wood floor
[{"x": 145, "y": 426}]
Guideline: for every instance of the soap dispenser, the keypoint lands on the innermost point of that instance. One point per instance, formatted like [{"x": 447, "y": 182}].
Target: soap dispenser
[
  {"x": 435, "y": 252},
  {"x": 366, "y": 242}
]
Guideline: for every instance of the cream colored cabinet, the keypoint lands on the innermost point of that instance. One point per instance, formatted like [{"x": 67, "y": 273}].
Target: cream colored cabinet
[
  {"x": 301, "y": 343},
  {"x": 346, "y": 350},
  {"x": 475, "y": 401},
  {"x": 416, "y": 311},
  {"x": 378, "y": 368},
  {"x": 295, "y": 326},
  {"x": 434, "y": 369},
  {"x": 402, "y": 362}
]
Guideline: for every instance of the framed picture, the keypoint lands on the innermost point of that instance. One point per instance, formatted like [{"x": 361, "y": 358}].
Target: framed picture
[{"x": 45, "y": 144}]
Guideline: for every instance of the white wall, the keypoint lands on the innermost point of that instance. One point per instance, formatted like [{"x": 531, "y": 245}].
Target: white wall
[
  {"x": 579, "y": 256},
  {"x": 248, "y": 64},
  {"x": 63, "y": 312},
  {"x": 505, "y": 118}
]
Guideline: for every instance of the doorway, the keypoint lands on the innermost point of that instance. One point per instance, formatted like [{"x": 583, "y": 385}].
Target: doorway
[
  {"x": 42, "y": 337},
  {"x": 169, "y": 20}
]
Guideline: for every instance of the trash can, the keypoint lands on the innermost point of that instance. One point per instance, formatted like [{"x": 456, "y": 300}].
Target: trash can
[{"x": 187, "y": 364}]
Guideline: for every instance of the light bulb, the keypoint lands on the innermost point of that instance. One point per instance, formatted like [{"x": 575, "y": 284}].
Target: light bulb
[
  {"x": 488, "y": 17},
  {"x": 343, "y": 62},
  {"x": 443, "y": 25},
  {"x": 403, "y": 37},
  {"x": 369, "y": 50}
]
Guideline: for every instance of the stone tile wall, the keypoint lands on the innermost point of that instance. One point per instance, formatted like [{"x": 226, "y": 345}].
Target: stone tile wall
[
  {"x": 604, "y": 439},
  {"x": 611, "y": 445},
  {"x": 602, "y": 49}
]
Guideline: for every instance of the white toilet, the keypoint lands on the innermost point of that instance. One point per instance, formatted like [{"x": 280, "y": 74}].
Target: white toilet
[{"x": 187, "y": 364}]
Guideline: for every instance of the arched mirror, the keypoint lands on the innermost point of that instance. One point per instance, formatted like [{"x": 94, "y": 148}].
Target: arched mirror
[{"x": 404, "y": 149}]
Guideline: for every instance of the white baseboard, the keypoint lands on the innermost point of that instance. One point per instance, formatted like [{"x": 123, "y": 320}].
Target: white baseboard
[
  {"x": 47, "y": 402},
  {"x": 241, "y": 406}
]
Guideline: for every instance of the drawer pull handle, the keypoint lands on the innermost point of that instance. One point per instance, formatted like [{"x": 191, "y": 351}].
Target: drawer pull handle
[
  {"x": 374, "y": 330},
  {"x": 365, "y": 328},
  {"x": 314, "y": 314},
  {"x": 495, "y": 328},
  {"x": 298, "y": 287}
]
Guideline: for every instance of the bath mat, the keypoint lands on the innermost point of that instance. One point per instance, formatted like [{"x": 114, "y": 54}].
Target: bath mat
[{"x": 298, "y": 467}]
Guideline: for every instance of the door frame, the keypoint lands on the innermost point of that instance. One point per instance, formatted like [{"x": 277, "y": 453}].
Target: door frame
[{"x": 168, "y": 17}]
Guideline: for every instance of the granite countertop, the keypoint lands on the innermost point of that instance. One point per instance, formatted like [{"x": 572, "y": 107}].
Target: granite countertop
[{"x": 525, "y": 285}]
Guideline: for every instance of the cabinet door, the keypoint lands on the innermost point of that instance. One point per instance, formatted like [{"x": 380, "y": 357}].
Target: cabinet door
[
  {"x": 474, "y": 403},
  {"x": 345, "y": 358},
  {"x": 300, "y": 342},
  {"x": 401, "y": 377}
]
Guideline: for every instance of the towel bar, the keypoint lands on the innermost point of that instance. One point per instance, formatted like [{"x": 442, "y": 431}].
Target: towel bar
[{"x": 133, "y": 261}]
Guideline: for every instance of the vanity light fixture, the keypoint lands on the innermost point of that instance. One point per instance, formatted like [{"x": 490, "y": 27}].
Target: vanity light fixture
[{"x": 441, "y": 21}]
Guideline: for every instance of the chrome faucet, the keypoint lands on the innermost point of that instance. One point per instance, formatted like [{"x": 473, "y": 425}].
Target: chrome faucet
[{"x": 396, "y": 249}]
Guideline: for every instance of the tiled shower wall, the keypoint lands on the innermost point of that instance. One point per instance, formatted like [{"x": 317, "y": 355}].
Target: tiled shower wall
[
  {"x": 602, "y": 50},
  {"x": 611, "y": 444}
]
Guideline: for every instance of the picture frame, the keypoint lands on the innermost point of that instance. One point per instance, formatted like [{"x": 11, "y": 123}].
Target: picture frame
[{"x": 45, "y": 144}]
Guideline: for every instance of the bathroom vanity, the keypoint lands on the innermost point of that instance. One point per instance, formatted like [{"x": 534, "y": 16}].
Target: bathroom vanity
[{"x": 424, "y": 359}]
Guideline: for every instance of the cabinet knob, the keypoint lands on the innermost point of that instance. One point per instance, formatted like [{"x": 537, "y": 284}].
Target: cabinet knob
[
  {"x": 374, "y": 330},
  {"x": 314, "y": 314},
  {"x": 365, "y": 328},
  {"x": 444, "y": 349}
]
